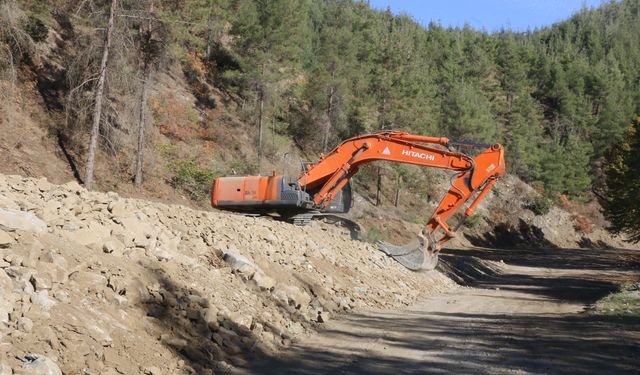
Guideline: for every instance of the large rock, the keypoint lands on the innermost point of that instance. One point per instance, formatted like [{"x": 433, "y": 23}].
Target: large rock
[
  {"x": 25, "y": 324},
  {"x": 5, "y": 239},
  {"x": 37, "y": 364},
  {"x": 113, "y": 245},
  {"x": 263, "y": 281},
  {"x": 6, "y": 202},
  {"x": 237, "y": 261},
  {"x": 94, "y": 233},
  {"x": 291, "y": 295},
  {"x": 20, "y": 220},
  {"x": 7, "y": 299},
  {"x": 5, "y": 369}
]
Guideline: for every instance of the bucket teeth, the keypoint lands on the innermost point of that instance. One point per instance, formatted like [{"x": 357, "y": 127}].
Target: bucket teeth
[{"x": 414, "y": 255}]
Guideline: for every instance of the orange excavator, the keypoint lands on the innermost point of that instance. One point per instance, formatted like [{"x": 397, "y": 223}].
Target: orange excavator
[{"x": 324, "y": 187}]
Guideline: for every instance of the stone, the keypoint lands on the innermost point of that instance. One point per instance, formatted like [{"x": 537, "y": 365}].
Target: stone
[
  {"x": 162, "y": 255},
  {"x": 61, "y": 296},
  {"x": 152, "y": 370},
  {"x": 291, "y": 295},
  {"x": 57, "y": 259},
  {"x": 236, "y": 261},
  {"x": 19, "y": 273},
  {"x": 242, "y": 321},
  {"x": 92, "y": 234},
  {"x": 21, "y": 220},
  {"x": 263, "y": 281},
  {"x": 73, "y": 186},
  {"x": 232, "y": 349},
  {"x": 210, "y": 317},
  {"x": 25, "y": 324},
  {"x": 51, "y": 272},
  {"x": 6, "y": 240},
  {"x": 37, "y": 364},
  {"x": 5, "y": 347},
  {"x": 175, "y": 342},
  {"x": 43, "y": 185},
  {"x": 6, "y": 202},
  {"x": 88, "y": 279},
  {"x": 50, "y": 210},
  {"x": 7, "y": 299},
  {"x": 43, "y": 300},
  {"x": 5, "y": 369},
  {"x": 270, "y": 238},
  {"x": 246, "y": 271},
  {"x": 118, "y": 208},
  {"x": 323, "y": 317},
  {"x": 136, "y": 292},
  {"x": 112, "y": 245},
  {"x": 40, "y": 282}
]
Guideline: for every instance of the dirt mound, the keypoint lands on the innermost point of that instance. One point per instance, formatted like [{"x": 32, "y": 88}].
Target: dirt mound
[{"x": 97, "y": 284}]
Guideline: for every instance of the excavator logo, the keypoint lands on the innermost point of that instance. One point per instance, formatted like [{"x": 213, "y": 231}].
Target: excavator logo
[{"x": 418, "y": 155}]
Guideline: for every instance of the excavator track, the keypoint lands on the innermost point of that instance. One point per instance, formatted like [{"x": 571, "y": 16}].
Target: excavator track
[
  {"x": 301, "y": 219},
  {"x": 305, "y": 218}
]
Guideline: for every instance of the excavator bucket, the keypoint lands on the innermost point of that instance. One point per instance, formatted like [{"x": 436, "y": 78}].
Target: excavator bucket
[{"x": 414, "y": 255}]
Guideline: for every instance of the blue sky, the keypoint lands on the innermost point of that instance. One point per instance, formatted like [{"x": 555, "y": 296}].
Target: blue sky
[{"x": 490, "y": 15}]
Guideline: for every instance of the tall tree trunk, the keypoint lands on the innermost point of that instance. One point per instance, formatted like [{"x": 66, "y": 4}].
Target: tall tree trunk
[
  {"x": 12, "y": 92},
  {"x": 97, "y": 109},
  {"x": 260, "y": 121},
  {"x": 379, "y": 187},
  {"x": 382, "y": 126},
  {"x": 398, "y": 188},
  {"x": 207, "y": 55},
  {"x": 145, "y": 34},
  {"x": 328, "y": 125},
  {"x": 142, "y": 122}
]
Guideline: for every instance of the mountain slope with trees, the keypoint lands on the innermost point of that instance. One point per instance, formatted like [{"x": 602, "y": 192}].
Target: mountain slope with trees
[{"x": 311, "y": 73}]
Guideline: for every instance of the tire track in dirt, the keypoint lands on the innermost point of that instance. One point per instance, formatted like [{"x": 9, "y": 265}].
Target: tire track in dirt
[{"x": 518, "y": 312}]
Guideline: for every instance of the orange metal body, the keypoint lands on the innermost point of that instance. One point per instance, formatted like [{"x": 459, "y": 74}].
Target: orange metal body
[
  {"x": 328, "y": 176},
  {"x": 244, "y": 189}
]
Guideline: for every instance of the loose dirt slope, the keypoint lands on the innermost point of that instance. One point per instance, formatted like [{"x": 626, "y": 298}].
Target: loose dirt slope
[
  {"x": 96, "y": 284},
  {"x": 527, "y": 312}
]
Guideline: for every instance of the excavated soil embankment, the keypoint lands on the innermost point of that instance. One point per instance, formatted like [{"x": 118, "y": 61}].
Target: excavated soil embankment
[{"x": 92, "y": 283}]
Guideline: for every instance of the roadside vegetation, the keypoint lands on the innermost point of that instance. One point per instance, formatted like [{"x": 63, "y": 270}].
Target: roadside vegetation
[{"x": 625, "y": 302}]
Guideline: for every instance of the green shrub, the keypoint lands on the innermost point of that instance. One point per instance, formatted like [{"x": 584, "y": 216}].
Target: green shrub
[
  {"x": 372, "y": 234},
  {"x": 191, "y": 179},
  {"x": 36, "y": 29},
  {"x": 243, "y": 167},
  {"x": 473, "y": 221},
  {"x": 540, "y": 205}
]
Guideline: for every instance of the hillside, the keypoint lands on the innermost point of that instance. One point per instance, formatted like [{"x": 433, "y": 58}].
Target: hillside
[
  {"x": 335, "y": 69},
  {"x": 116, "y": 263}
]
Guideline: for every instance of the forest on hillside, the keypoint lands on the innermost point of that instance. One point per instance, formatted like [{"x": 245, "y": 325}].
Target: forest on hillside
[{"x": 564, "y": 100}]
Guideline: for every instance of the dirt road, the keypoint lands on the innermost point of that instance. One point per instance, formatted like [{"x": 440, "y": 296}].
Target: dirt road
[{"x": 522, "y": 312}]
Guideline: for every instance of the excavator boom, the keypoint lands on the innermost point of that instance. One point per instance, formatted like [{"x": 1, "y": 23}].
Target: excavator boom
[{"x": 324, "y": 186}]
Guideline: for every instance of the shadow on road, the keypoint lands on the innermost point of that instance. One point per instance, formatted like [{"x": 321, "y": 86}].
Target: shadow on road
[
  {"x": 477, "y": 343},
  {"x": 450, "y": 341}
]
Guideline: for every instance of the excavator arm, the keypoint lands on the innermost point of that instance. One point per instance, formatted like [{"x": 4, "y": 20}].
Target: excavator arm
[
  {"x": 475, "y": 177},
  {"x": 319, "y": 186}
]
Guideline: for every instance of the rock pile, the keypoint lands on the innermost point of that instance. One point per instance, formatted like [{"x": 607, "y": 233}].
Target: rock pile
[{"x": 93, "y": 283}]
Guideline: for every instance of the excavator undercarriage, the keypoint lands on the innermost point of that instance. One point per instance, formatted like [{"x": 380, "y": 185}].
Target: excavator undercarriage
[{"x": 323, "y": 188}]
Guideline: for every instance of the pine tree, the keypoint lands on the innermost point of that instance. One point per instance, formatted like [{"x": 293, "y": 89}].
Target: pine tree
[{"x": 622, "y": 206}]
